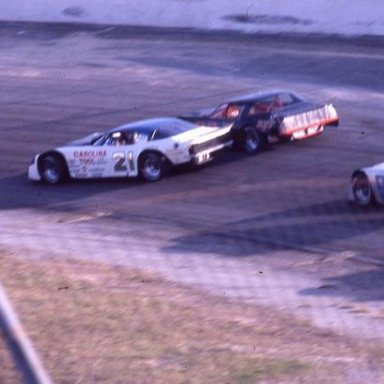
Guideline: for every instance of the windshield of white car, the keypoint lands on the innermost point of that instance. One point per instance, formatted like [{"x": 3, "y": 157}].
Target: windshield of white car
[{"x": 101, "y": 141}]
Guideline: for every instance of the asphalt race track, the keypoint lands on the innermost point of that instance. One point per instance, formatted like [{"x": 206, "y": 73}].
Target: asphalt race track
[{"x": 273, "y": 229}]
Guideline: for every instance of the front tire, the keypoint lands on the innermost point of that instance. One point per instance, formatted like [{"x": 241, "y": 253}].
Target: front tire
[
  {"x": 52, "y": 169},
  {"x": 152, "y": 166},
  {"x": 253, "y": 141},
  {"x": 362, "y": 190}
]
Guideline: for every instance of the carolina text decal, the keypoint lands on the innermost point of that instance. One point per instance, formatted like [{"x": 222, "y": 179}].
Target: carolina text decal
[{"x": 90, "y": 154}]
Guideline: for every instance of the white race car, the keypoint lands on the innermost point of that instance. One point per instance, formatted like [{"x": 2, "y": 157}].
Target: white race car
[
  {"x": 367, "y": 185},
  {"x": 143, "y": 148}
]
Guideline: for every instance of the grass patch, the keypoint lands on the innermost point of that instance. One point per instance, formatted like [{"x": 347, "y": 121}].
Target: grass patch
[{"x": 93, "y": 323}]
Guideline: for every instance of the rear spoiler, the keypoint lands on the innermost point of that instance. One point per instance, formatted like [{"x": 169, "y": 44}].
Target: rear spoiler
[{"x": 325, "y": 115}]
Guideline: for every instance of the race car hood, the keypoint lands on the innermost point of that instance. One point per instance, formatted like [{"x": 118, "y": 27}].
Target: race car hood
[
  {"x": 379, "y": 167},
  {"x": 375, "y": 169}
]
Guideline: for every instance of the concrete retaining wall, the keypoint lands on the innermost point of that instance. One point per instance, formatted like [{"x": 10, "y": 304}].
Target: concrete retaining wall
[{"x": 346, "y": 17}]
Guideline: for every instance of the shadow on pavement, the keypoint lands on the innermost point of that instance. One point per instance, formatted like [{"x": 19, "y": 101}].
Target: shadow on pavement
[
  {"x": 361, "y": 286},
  {"x": 18, "y": 192},
  {"x": 302, "y": 228}
]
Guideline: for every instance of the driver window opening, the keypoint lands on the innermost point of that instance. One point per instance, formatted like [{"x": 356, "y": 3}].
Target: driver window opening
[
  {"x": 118, "y": 139},
  {"x": 123, "y": 138},
  {"x": 227, "y": 111}
]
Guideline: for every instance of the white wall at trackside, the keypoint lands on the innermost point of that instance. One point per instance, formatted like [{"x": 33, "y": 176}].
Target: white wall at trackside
[{"x": 346, "y": 17}]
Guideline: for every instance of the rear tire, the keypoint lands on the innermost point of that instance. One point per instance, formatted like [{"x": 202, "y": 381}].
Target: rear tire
[
  {"x": 253, "y": 141},
  {"x": 52, "y": 169},
  {"x": 362, "y": 190},
  {"x": 152, "y": 166}
]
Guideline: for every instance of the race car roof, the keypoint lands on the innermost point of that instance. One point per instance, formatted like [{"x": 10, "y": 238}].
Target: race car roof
[
  {"x": 260, "y": 96},
  {"x": 171, "y": 125}
]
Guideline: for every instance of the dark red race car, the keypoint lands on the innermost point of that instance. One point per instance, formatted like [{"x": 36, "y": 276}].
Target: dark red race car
[{"x": 269, "y": 117}]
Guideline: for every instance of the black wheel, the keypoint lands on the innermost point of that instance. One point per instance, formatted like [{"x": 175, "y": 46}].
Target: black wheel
[
  {"x": 52, "y": 169},
  {"x": 152, "y": 166},
  {"x": 253, "y": 140},
  {"x": 362, "y": 190}
]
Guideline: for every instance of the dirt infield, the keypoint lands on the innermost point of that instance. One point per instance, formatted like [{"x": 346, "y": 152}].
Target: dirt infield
[{"x": 102, "y": 324}]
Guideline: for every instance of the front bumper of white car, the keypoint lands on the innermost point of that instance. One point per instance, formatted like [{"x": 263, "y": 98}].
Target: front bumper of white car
[
  {"x": 33, "y": 171},
  {"x": 379, "y": 185}
]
